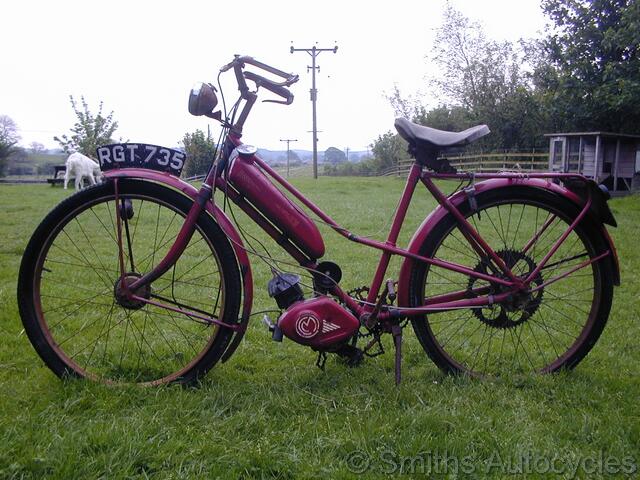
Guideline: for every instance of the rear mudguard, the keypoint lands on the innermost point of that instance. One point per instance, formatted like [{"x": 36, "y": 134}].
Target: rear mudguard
[
  {"x": 225, "y": 224},
  {"x": 599, "y": 210}
]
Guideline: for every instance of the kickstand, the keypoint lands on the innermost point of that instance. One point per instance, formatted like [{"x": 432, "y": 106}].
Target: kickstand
[{"x": 396, "y": 331}]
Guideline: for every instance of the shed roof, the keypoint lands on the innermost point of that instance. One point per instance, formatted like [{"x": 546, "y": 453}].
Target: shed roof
[{"x": 592, "y": 134}]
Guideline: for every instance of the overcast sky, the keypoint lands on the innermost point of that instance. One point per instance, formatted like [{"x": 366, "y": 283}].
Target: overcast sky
[{"x": 141, "y": 59}]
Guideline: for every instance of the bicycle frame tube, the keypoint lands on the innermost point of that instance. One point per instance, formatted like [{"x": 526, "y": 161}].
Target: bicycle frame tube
[
  {"x": 388, "y": 247},
  {"x": 472, "y": 236}
]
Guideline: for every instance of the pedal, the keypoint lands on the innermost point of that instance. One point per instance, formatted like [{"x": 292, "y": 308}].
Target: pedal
[
  {"x": 276, "y": 333},
  {"x": 352, "y": 355},
  {"x": 375, "y": 342}
]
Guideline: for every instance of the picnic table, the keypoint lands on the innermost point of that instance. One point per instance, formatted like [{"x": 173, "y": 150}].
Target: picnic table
[{"x": 57, "y": 169}]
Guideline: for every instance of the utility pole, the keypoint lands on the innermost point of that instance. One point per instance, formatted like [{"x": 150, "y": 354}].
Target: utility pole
[
  {"x": 314, "y": 52},
  {"x": 288, "y": 140}
]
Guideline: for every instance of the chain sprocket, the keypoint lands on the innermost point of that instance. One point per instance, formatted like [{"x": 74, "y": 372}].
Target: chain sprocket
[{"x": 519, "y": 307}]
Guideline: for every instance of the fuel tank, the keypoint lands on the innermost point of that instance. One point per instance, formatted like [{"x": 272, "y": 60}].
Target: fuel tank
[{"x": 249, "y": 180}]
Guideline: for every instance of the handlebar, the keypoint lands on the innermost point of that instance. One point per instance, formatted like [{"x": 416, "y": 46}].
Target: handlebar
[
  {"x": 239, "y": 61},
  {"x": 278, "y": 88}
]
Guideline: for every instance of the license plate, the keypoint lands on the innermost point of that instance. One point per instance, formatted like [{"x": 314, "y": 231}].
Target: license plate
[{"x": 141, "y": 155}]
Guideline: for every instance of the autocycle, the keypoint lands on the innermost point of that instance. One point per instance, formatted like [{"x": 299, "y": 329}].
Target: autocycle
[{"x": 145, "y": 279}]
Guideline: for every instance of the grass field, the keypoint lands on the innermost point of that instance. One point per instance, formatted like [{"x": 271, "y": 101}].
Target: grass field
[{"x": 270, "y": 413}]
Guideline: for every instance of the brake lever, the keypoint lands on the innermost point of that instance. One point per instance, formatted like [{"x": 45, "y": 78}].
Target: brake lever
[
  {"x": 254, "y": 77},
  {"x": 289, "y": 101}
]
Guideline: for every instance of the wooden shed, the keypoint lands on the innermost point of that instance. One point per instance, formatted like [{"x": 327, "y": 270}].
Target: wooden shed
[{"x": 612, "y": 159}]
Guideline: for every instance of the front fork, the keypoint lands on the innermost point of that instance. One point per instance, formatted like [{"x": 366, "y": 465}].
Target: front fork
[{"x": 129, "y": 290}]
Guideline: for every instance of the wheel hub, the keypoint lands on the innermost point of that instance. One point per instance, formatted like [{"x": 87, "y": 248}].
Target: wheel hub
[
  {"x": 124, "y": 296},
  {"x": 518, "y": 307}
]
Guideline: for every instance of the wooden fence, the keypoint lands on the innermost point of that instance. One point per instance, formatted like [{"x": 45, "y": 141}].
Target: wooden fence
[
  {"x": 484, "y": 162},
  {"x": 477, "y": 162}
]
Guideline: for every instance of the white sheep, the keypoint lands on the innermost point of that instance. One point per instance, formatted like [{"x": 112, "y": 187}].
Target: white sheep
[{"x": 81, "y": 166}]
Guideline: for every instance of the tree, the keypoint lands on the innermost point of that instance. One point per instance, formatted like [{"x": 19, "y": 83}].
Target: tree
[
  {"x": 460, "y": 50},
  {"x": 334, "y": 155},
  {"x": 200, "y": 150},
  {"x": 294, "y": 158},
  {"x": 18, "y": 162},
  {"x": 89, "y": 132},
  {"x": 8, "y": 139},
  {"x": 451, "y": 118},
  {"x": 592, "y": 76},
  {"x": 484, "y": 81},
  {"x": 36, "y": 148},
  {"x": 403, "y": 106},
  {"x": 479, "y": 81},
  {"x": 388, "y": 149}
]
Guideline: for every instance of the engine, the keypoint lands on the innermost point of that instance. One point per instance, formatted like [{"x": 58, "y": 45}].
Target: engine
[{"x": 320, "y": 323}]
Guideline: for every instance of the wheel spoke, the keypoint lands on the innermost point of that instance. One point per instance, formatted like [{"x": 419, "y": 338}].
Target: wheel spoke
[
  {"x": 93, "y": 328},
  {"x": 530, "y": 331}
]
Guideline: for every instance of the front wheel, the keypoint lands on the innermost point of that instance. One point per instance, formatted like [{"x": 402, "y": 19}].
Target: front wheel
[
  {"x": 549, "y": 328},
  {"x": 68, "y": 288}
]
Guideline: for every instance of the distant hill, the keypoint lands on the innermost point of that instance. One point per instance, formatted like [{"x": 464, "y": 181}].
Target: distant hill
[
  {"x": 280, "y": 156},
  {"x": 42, "y": 163}
]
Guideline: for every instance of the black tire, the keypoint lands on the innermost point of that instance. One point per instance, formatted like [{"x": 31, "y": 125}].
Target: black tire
[
  {"x": 66, "y": 289},
  {"x": 551, "y": 329}
]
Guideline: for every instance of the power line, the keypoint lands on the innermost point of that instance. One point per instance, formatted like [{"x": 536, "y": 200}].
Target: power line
[
  {"x": 288, "y": 140},
  {"x": 314, "y": 52}
]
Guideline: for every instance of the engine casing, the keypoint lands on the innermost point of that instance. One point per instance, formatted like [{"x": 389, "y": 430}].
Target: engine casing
[{"x": 319, "y": 322}]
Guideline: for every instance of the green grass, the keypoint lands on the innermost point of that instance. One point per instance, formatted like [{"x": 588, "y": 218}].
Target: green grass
[
  {"x": 270, "y": 413},
  {"x": 305, "y": 170}
]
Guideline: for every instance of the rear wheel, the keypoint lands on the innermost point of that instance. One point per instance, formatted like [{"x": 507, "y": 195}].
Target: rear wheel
[
  {"x": 551, "y": 327},
  {"x": 69, "y": 289}
]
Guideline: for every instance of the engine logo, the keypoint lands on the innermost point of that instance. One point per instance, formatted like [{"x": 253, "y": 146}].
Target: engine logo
[{"x": 307, "y": 326}]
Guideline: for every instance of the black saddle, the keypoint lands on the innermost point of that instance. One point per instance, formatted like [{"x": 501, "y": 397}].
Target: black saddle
[{"x": 426, "y": 143}]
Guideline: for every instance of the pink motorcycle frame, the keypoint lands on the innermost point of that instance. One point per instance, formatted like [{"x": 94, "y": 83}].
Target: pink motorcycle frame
[
  {"x": 202, "y": 203},
  {"x": 587, "y": 197}
]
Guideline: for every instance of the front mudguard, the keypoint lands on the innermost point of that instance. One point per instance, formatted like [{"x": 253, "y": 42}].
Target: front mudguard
[
  {"x": 225, "y": 224},
  {"x": 576, "y": 191}
]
